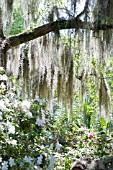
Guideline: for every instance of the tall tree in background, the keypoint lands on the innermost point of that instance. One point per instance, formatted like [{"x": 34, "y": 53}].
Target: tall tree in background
[{"x": 45, "y": 65}]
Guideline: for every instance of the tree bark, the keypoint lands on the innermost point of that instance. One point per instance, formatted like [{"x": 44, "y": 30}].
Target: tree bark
[
  {"x": 16, "y": 40},
  {"x": 12, "y": 41},
  {"x": 88, "y": 164},
  {"x": 2, "y": 42},
  {"x": 1, "y": 26}
]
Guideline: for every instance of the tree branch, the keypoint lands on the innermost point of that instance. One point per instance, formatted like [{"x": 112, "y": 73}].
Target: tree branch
[
  {"x": 16, "y": 40},
  {"x": 84, "y": 10}
]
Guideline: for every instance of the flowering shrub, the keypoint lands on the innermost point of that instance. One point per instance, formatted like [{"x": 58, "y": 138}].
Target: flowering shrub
[
  {"x": 26, "y": 138},
  {"x": 32, "y": 138}
]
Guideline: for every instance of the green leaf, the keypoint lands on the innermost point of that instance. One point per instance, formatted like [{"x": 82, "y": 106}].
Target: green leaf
[
  {"x": 103, "y": 123},
  {"x": 85, "y": 107}
]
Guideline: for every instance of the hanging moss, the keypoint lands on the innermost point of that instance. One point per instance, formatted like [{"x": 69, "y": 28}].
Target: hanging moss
[
  {"x": 104, "y": 99},
  {"x": 103, "y": 13},
  {"x": 48, "y": 65}
]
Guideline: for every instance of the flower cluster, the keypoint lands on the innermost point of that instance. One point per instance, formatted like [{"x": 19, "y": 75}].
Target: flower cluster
[
  {"x": 24, "y": 133},
  {"x": 32, "y": 138}
]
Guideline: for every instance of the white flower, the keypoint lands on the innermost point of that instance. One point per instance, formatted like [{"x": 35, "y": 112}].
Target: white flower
[
  {"x": 29, "y": 114},
  {"x": 28, "y": 159},
  {"x": 5, "y": 165},
  {"x": 36, "y": 167},
  {"x": 11, "y": 162},
  {"x": 25, "y": 105},
  {"x": 51, "y": 145},
  {"x": 14, "y": 142},
  {"x": 11, "y": 128},
  {"x": 3, "y": 77},
  {"x": 42, "y": 147},
  {"x": 52, "y": 161},
  {"x": 39, "y": 160},
  {"x": 2, "y": 105},
  {"x": 1, "y": 127},
  {"x": 80, "y": 154},
  {"x": 1, "y": 116},
  {"x": 15, "y": 104},
  {"x": 3, "y": 86},
  {"x": 58, "y": 145},
  {"x": 39, "y": 122},
  {"x": 0, "y": 159},
  {"x": 1, "y": 102},
  {"x": 7, "y": 102}
]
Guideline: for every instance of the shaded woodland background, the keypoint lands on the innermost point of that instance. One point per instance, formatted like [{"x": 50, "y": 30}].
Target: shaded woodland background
[
  {"x": 59, "y": 52},
  {"x": 68, "y": 60}
]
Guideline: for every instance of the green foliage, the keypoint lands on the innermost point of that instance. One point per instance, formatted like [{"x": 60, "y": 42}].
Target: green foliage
[
  {"x": 32, "y": 138},
  {"x": 103, "y": 124},
  {"x": 18, "y": 23}
]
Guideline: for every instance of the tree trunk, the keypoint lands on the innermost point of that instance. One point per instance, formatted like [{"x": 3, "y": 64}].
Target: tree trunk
[
  {"x": 88, "y": 164},
  {"x": 2, "y": 43}
]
